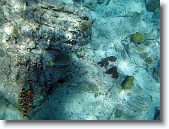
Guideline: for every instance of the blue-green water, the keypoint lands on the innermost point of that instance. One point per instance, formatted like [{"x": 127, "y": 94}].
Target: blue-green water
[{"x": 80, "y": 60}]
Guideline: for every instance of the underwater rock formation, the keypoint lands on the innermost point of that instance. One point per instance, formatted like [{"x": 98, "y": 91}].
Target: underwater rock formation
[{"x": 35, "y": 39}]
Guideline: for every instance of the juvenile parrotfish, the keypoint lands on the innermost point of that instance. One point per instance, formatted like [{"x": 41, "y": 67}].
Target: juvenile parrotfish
[
  {"x": 24, "y": 100},
  {"x": 62, "y": 59}
]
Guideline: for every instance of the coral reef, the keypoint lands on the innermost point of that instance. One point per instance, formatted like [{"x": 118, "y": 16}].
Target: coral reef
[
  {"x": 61, "y": 51},
  {"x": 137, "y": 38},
  {"x": 128, "y": 82}
]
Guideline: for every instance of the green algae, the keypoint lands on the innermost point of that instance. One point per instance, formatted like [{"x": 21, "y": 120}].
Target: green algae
[
  {"x": 128, "y": 82},
  {"x": 137, "y": 38}
]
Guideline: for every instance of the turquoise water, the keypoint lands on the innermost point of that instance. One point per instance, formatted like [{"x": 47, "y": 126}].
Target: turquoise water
[{"x": 80, "y": 60}]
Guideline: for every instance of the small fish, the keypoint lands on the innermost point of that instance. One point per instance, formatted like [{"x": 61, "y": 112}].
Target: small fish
[
  {"x": 62, "y": 59},
  {"x": 24, "y": 100}
]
